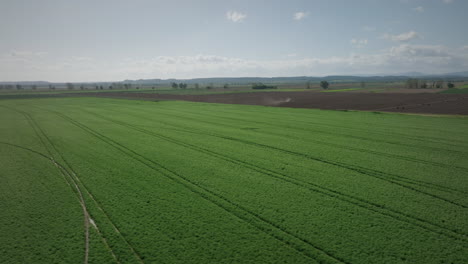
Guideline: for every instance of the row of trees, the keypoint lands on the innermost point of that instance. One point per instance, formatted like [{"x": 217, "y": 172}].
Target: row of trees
[
  {"x": 259, "y": 86},
  {"x": 414, "y": 83},
  {"x": 323, "y": 84},
  {"x": 119, "y": 86}
]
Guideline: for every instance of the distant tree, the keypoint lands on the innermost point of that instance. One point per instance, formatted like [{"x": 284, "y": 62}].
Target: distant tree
[
  {"x": 197, "y": 86},
  {"x": 97, "y": 87},
  {"x": 324, "y": 84},
  {"x": 439, "y": 84},
  {"x": 261, "y": 86},
  {"x": 423, "y": 85},
  {"x": 70, "y": 86},
  {"x": 110, "y": 87},
  {"x": 182, "y": 85},
  {"x": 19, "y": 87},
  {"x": 101, "y": 87},
  {"x": 412, "y": 83},
  {"x": 308, "y": 84},
  {"x": 363, "y": 84},
  {"x": 450, "y": 85},
  {"x": 33, "y": 87},
  {"x": 226, "y": 86},
  {"x": 210, "y": 86},
  {"x": 51, "y": 87},
  {"x": 174, "y": 85},
  {"x": 81, "y": 87}
]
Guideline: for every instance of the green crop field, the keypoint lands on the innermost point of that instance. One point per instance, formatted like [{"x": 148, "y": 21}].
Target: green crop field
[
  {"x": 341, "y": 90},
  {"x": 461, "y": 90},
  {"x": 120, "y": 181}
]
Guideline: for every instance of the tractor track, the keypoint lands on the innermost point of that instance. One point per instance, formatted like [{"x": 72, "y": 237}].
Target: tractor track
[
  {"x": 264, "y": 225},
  {"x": 38, "y": 132},
  {"x": 311, "y": 130},
  {"x": 76, "y": 180},
  {"x": 424, "y": 139},
  {"x": 427, "y": 225},
  {"x": 72, "y": 180},
  {"x": 64, "y": 173},
  {"x": 365, "y": 171},
  {"x": 416, "y": 160}
]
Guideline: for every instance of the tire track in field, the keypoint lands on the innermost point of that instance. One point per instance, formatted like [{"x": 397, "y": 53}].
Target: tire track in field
[
  {"x": 76, "y": 179},
  {"x": 394, "y": 176},
  {"x": 70, "y": 180},
  {"x": 317, "y": 131},
  {"x": 317, "y": 117},
  {"x": 264, "y": 225},
  {"x": 38, "y": 132},
  {"x": 387, "y": 175},
  {"x": 416, "y": 160},
  {"x": 377, "y": 208},
  {"x": 424, "y": 139},
  {"x": 394, "y": 156},
  {"x": 66, "y": 176},
  {"x": 391, "y": 178}
]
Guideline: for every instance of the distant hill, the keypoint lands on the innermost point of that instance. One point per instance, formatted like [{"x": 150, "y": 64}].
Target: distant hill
[
  {"x": 461, "y": 74},
  {"x": 454, "y": 76}
]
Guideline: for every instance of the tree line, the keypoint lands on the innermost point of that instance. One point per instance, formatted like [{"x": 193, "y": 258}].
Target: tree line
[{"x": 414, "y": 83}]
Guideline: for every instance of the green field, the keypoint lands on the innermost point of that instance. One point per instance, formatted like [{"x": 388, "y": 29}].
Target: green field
[
  {"x": 122, "y": 181},
  {"x": 27, "y": 94},
  {"x": 462, "y": 90},
  {"x": 341, "y": 90}
]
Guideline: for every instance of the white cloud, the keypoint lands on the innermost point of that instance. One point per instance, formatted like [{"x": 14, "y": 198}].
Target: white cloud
[
  {"x": 235, "y": 16},
  {"x": 359, "y": 42},
  {"x": 419, "y": 9},
  {"x": 403, "y": 37},
  {"x": 400, "y": 58},
  {"x": 404, "y": 57},
  {"x": 300, "y": 15}
]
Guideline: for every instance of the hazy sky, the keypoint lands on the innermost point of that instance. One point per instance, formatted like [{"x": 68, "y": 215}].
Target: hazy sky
[{"x": 112, "y": 40}]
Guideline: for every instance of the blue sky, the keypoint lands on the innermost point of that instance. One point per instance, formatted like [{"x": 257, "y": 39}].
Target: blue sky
[{"x": 112, "y": 40}]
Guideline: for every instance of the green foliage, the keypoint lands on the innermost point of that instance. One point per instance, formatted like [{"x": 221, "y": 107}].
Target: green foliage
[
  {"x": 341, "y": 90},
  {"x": 179, "y": 182},
  {"x": 456, "y": 91},
  {"x": 261, "y": 86},
  {"x": 324, "y": 84},
  {"x": 450, "y": 85}
]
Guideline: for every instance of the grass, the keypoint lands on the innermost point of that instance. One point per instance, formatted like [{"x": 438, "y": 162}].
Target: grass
[
  {"x": 180, "y": 182},
  {"x": 27, "y": 94},
  {"x": 461, "y": 90},
  {"x": 341, "y": 90}
]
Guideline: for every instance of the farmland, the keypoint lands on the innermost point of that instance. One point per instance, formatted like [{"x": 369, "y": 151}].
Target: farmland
[{"x": 126, "y": 181}]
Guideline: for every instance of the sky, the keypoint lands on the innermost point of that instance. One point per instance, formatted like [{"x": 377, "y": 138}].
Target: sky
[{"x": 114, "y": 40}]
